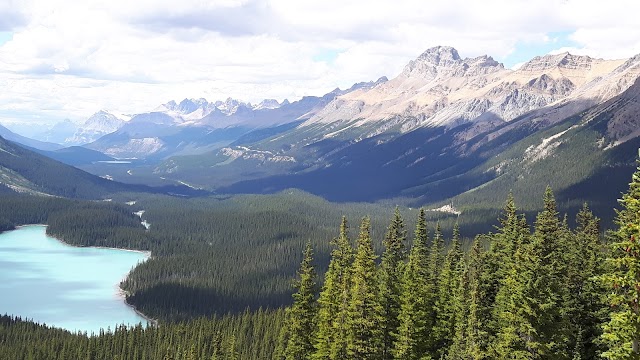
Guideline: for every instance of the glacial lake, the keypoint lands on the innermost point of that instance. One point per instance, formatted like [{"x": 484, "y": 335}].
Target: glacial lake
[{"x": 69, "y": 287}]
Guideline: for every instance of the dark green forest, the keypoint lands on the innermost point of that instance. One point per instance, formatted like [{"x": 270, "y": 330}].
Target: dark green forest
[{"x": 533, "y": 288}]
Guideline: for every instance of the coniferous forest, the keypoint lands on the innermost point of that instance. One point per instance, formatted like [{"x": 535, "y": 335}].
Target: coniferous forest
[{"x": 547, "y": 287}]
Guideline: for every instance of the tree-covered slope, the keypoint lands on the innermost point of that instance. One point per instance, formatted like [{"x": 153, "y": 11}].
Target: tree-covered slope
[{"x": 25, "y": 171}]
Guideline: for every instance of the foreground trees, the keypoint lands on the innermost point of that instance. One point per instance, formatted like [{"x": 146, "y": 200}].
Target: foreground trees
[
  {"x": 515, "y": 294},
  {"x": 622, "y": 331}
]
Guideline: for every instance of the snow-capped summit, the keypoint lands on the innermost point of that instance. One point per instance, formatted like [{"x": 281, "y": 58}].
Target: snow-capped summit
[
  {"x": 230, "y": 106},
  {"x": 267, "y": 104},
  {"x": 99, "y": 124}
]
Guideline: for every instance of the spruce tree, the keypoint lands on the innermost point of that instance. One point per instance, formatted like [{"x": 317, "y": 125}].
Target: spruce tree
[
  {"x": 280, "y": 351},
  {"x": 390, "y": 282},
  {"x": 415, "y": 316},
  {"x": 513, "y": 309},
  {"x": 529, "y": 303},
  {"x": 460, "y": 307},
  {"x": 303, "y": 311},
  {"x": 587, "y": 309},
  {"x": 479, "y": 306},
  {"x": 621, "y": 333},
  {"x": 550, "y": 237},
  {"x": 448, "y": 283},
  {"x": 500, "y": 257},
  {"x": 330, "y": 337},
  {"x": 364, "y": 341},
  {"x": 436, "y": 256},
  {"x": 436, "y": 264}
]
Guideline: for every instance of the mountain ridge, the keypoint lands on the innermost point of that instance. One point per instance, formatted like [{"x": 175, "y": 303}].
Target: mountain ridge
[{"x": 433, "y": 152}]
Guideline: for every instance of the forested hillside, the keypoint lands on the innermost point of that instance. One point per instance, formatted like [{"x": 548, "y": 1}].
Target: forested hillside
[
  {"x": 542, "y": 289},
  {"x": 25, "y": 171},
  {"x": 522, "y": 292}
]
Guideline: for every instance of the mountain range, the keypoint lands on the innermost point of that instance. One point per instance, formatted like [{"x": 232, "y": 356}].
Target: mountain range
[
  {"x": 196, "y": 126},
  {"x": 434, "y": 132},
  {"x": 446, "y": 129}
]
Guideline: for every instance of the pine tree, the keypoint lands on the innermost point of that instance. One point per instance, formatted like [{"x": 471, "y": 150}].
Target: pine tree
[
  {"x": 217, "y": 347},
  {"x": 500, "y": 279},
  {"x": 586, "y": 307},
  {"x": 582, "y": 303},
  {"x": 529, "y": 313},
  {"x": 504, "y": 243},
  {"x": 415, "y": 316},
  {"x": 460, "y": 308},
  {"x": 330, "y": 337},
  {"x": 280, "y": 351},
  {"x": 450, "y": 276},
  {"x": 479, "y": 306},
  {"x": 436, "y": 264},
  {"x": 621, "y": 333},
  {"x": 550, "y": 237},
  {"x": 365, "y": 335},
  {"x": 513, "y": 310},
  {"x": 303, "y": 311},
  {"x": 390, "y": 282},
  {"x": 436, "y": 256}
]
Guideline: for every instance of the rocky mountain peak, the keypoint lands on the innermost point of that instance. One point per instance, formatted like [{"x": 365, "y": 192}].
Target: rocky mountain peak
[
  {"x": 98, "y": 124},
  {"x": 187, "y": 106},
  {"x": 229, "y": 106},
  {"x": 171, "y": 105},
  {"x": 440, "y": 55},
  {"x": 444, "y": 61},
  {"x": 267, "y": 104},
  {"x": 564, "y": 60}
]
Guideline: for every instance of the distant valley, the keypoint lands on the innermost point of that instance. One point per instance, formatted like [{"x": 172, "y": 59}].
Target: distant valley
[{"x": 445, "y": 130}]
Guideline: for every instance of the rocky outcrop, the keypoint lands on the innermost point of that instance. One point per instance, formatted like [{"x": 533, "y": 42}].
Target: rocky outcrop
[
  {"x": 440, "y": 88},
  {"x": 444, "y": 61},
  {"x": 564, "y": 60}
]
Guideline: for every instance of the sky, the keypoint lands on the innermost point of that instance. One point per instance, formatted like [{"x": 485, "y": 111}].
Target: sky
[{"x": 67, "y": 59}]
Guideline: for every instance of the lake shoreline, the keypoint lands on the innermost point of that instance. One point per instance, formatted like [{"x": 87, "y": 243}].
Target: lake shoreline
[
  {"x": 120, "y": 293},
  {"x": 123, "y": 295}
]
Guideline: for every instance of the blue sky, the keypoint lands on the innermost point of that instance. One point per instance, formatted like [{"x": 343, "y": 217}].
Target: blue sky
[
  {"x": 525, "y": 51},
  {"x": 5, "y": 36},
  {"x": 60, "y": 59}
]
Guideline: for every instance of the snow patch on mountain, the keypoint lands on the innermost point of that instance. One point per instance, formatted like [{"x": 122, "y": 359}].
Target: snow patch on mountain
[
  {"x": 96, "y": 126},
  {"x": 267, "y": 104}
]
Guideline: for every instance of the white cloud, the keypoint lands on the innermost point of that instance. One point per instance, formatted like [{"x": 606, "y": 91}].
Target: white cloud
[{"x": 70, "y": 59}]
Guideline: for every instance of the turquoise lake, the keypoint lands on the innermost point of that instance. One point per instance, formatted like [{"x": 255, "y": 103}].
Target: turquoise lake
[{"x": 70, "y": 287}]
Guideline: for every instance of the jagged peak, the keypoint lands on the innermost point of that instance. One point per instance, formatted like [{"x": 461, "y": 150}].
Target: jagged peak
[
  {"x": 445, "y": 61},
  {"x": 438, "y": 54},
  {"x": 267, "y": 104},
  {"x": 562, "y": 60},
  {"x": 630, "y": 63}
]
